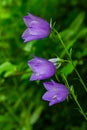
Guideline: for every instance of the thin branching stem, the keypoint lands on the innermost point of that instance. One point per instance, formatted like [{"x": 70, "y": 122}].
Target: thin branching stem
[
  {"x": 71, "y": 89},
  {"x": 69, "y": 55}
]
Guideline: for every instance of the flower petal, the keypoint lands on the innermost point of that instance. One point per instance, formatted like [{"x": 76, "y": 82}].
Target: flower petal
[
  {"x": 37, "y": 76},
  {"x": 48, "y": 96},
  {"x": 35, "y": 63},
  {"x": 48, "y": 85},
  {"x": 55, "y": 86},
  {"x": 34, "y": 77},
  {"x": 36, "y": 18},
  {"x": 56, "y": 92},
  {"x": 42, "y": 67},
  {"x": 52, "y": 102},
  {"x": 26, "y": 20},
  {"x": 39, "y": 31},
  {"x": 37, "y": 28},
  {"x": 28, "y": 37}
]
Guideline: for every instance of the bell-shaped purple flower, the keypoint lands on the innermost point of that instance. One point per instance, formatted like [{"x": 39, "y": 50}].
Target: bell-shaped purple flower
[
  {"x": 56, "y": 92},
  {"x": 42, "y": 68},
  {"x": 37, "y": 28}
]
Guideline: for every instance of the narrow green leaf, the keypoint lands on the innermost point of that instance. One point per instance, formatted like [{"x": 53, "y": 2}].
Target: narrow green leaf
[{"x": 36, "y": 115}]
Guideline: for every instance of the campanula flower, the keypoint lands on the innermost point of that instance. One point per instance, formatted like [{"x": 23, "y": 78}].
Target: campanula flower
[
  {"x": 37, "y": 28},
  {"x": 42, "y": 68},
  {"x": 56, "y": 92}
]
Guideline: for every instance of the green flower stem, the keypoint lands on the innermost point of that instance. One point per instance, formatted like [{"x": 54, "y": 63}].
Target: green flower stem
[
  {"x": 71, "y": 89},
  {"x": 80, "y": 108},
  {"x": 59, "y": 37},
  {"x": 81, "y": 80}
]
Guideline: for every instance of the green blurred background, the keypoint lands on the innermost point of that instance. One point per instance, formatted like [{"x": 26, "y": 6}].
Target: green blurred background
[{"x": 21, "y": 106}]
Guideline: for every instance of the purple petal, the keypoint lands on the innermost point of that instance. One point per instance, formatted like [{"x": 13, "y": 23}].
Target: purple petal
[
  {"x": 53, "y": 102},
  {"x": 48, "y": 96},
  {"x": 34, "y": 18},
  {"x": 34, "y": 76},
  {"x": 38, "y": 19},
  {"x": 26, "y": 20},
  {"x": 52, "y": 85},
  {"x": 61, "y": 96},
  {"x": 28, "y": 37},
  {"x": 42, "y": 67},
  {"x": 56, "y": 92},
  {"x": 62, "y": 88},
  {"x": 37, "y": 28},
  {"x": 48, "y": 85},
  {"x": 36, "y": 63},
  {"x": 29, "y": 18},
  {"x": 26, "y": 34},
  {"x": 54, "y": 97},
  {"x": 37, "y": 76}
]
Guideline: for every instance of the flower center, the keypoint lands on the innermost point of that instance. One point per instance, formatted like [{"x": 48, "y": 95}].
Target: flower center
[
  {"x": 54, "y": 96},
  {"x": 37, "y": 74}
]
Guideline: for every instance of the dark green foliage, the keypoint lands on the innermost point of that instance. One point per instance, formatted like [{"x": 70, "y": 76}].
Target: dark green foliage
[{"x": 21, "y": 106}]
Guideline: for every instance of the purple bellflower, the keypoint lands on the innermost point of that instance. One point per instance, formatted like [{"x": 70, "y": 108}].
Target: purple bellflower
[
  {"x": 56, "y": 92},
  {"x": 42, "y": 68},
  {"x": 37, "y": 28}
]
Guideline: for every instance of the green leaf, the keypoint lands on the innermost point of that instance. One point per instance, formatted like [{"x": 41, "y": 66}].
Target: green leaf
[
  {"x": 71, "y": 31},
  {"x": 4, "y": 118},
  {"x": 77, "y": 22},
  {"x": 68, "y": 69},
  {"x": 36, "y": 115},
  {"x": 28, "y": 47},
  {"x": 83, "y": 32},
  {"x": 7, "y": 68},
  {"x": 2, "y": 98}
]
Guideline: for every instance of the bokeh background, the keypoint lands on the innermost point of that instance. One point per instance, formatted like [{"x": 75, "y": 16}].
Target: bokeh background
[{"x": 21, "y": 105}]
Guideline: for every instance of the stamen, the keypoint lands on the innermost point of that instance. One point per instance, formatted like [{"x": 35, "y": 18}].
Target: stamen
[
  {"x": 37, "y": 74},
  {"x": 54, "y": 96}
]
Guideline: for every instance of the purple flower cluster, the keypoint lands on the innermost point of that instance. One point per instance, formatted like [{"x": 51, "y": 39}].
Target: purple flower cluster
[{"x": 38, "y": 28}]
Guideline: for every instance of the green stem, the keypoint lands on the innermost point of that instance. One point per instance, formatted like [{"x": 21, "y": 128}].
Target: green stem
[
  {"x": 81, "y": 110},
  {"x": 81, "y": 80},
  {"x": 75, "y": 98},
  {"x": 59, "y": 37}
]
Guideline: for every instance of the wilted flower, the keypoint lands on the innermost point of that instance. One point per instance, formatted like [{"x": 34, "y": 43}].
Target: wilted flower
[
  {"x": 42, "y": 68},
  {"x": 56, "y": 92},
  {"x": 37, "y": 28}
]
